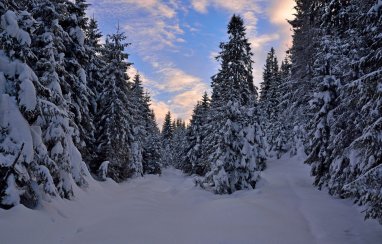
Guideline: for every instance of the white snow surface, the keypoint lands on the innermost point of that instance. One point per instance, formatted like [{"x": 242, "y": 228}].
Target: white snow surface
[
  {"x": 284, "y": 208},
  {"x": 11, "y": 27}
]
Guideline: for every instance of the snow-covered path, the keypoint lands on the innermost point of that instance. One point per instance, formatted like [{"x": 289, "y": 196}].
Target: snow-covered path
[{"x": 285, "y": 208}]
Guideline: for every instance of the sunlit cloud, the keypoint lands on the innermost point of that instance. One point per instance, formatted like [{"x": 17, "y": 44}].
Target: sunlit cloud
[
  {"x": 185, "y": 90},
  {"x": 200, "y": 5},
  {"x": 177, "y": 80},
  {"x": 183, "y": 104},
  {"x": 259, "y": 41},
  {"x": 279, "y": 12},
  {"x": 160, "y": 108}
]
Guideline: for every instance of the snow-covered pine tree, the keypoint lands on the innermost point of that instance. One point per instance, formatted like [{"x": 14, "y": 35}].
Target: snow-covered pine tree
[
  {"x": 270, "y": 73},
  {"x": 283, "y": 126},
  {"x": 24, "y": 159},
  {"x": 74, "y": 23},
  {"x": 166, "y": 138},
  {"x": 139, "y": 112},
  {"x": 114, "y": 123},
  {"x": 95, "y": 82},
  {"x": 305, "y": 27},
  {"x": 192, "y": 162},
  {"x": 322, "y": 105},
  {"x": 270, "y": 98},
  {"x": 152, "y": 143},
  {"x": 178, "y": 144},
  {"x": 346, "y": 141},
  {"x": 17, "y": 94},
  {"x": 96, "y": 63},
  {"x": 358, "y": 168},
  {"x": 234, "y": 145},
  {"x": 167, "y": 128},
  {"x": 58, "y": 128}
]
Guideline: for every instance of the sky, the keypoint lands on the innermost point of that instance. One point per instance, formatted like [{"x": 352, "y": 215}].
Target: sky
[{"x": 174, "y": 42}]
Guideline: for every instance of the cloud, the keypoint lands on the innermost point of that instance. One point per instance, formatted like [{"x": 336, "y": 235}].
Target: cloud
[
  {"x": 183, "y": 104},
  {"x": 177, "y": 80},
  {"x": 155, "y": 7},
  {"x": 213, "y": 55},
  {"x": 151, "y": 25},
  {"x": 235, "y": 6},
  {"x": 200, "y": 5},
  {"x": 279, "y": 12},
  {"x": 160, "y": 109},
  {"x": 258, "y": 42},
  {"x": 184, "y": 91}
]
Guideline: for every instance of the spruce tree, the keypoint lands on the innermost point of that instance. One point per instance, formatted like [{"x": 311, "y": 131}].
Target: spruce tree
[
  {"x": 95, "y": 82},
  {"x": 139, "y": 112},
  {"x": 178, "y": 143},
  {"x": 360, "y": 164},
  {"x": 54, "y": 67},
  {"x": 18, "y": 104},
  {"x": 152, "y": 143},
  {"x": 336, "y": 65},
  {"x": 166, "y": 137},
  {"x": 270, "y": 99},
  {"x": 192, "y": 162},
  {"x": 234, "y": 148},
  {"x": 115, "y": 135},
  {"x": 26, "y": 166}
]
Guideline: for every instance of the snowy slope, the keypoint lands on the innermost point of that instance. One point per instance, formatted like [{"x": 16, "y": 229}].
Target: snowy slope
[{"x": 169, "y": 209}]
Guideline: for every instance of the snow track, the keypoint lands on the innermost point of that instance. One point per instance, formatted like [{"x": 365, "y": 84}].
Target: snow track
[{"x": 285, "y": 208}]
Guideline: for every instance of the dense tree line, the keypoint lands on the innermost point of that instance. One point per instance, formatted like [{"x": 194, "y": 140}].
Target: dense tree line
[
  {"x": 66, "y": 104},
  {"x": 332, "y": 97}
]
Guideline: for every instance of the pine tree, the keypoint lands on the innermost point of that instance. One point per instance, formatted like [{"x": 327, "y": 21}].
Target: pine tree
[
  {"x": 340, "y": 72},
  {"x": 361, "y": 160},
  {"x": 192, "y": 162},
  {"x": 152, "y": 144},
  {"x": 58, "y": 126},
  {"x": 233, "y": 145},
  {"x": 270, "y": 99},
  {"x": 305, "y": 40},
  {"x": 115, "y": 133},
  {"x": 22, "y": 155},
  {"x": 178, "y": 143},
  {"x": 95, "y": 82},
  {"x": 282, "y": 136},
  {"x": 167, "y": 134},
  {"x": 139, "y": 112}
]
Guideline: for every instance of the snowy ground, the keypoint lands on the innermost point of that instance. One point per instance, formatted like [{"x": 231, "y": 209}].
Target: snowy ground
[{"x": 169, "y": 209}]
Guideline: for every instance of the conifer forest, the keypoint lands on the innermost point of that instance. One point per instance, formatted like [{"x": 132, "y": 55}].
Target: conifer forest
[{"x": 83, "y": 158}]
